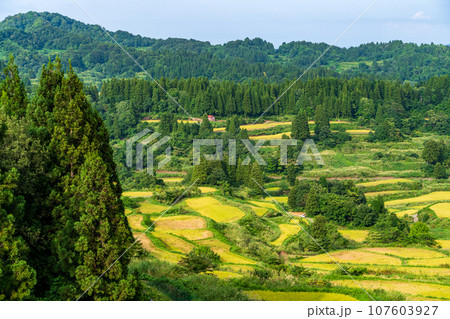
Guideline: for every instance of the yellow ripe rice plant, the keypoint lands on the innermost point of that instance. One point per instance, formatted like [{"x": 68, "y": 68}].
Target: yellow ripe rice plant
[
  {"x": 431, "y": 197},
  {"x": 445, "y": 244},
  {"x": 355, "y": 257},
  {"x": 406, "y": 287},
  {"x": 442, "y": 210},
  {"x": 212, "y": 208},
  {"x": 268, "y": 295},
  {"x": 166, "y": 223},
  {"x": 135, "y": 222},
  {"x": 407, "y": 252},
  {"x": 385, "y": 182},
  {"x": 155, "y": 251},
  {"x": 287, "y": 230},
  {"x": 265, "y": 204},
  {"x": 353, "y": 234},
  {"x": 138, "y": 194},
  {"x": 149, "y": 208},
  {"x": 223, "y": 250},
  {"x": 432, "y": 262},
  {"x": 205, "y": 190},
  {"x": 174, "y": 243}
]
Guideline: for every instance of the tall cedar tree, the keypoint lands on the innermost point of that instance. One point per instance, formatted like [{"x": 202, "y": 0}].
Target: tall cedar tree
[
  {"x": 300, "y": 127},
  {"x": 206, "y": 128},
  {"x": 13, "y": 98},
  {"x": 322, "y": 122},
  {"x": 17, "y": 278},
  {"x": 78, "y": 133}
]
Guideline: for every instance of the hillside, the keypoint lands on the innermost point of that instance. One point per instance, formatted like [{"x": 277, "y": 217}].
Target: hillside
[{"x": 34, "y": 37}]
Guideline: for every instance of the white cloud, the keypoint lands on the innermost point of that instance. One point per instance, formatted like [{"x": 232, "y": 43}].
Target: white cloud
[{"x": 420, "y": 15}]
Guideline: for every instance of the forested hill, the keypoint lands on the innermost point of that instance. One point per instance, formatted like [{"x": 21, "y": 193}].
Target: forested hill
[{"x": 34, "y": 37}]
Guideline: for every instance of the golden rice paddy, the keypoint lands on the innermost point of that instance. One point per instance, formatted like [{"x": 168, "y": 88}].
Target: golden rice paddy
[
  {"x": 407, "y": 252},
  {"x": 172, "y": 179},
  {"x": 287, "y": 230},
  {"x": 212, "y": 208},
  {"x": 135, "y": 222},
  {"x": 259, "y": 211},
  {"x": 268, "y": 295},
  {"x": 179, "y": 222},
  {"x": 383, "y": 193},
  {"x": 192, "y": 234},
  {"x": 279, "y": 199},
  {"x": 265, "y": 204},
  {"x": 138, "y": 194},
  {"x": 442, "y": 210},
  {"x": 385, "y": 182},
  {"x": 356, "y": 235},
  {"x": 157, "y": 252},
  {"x": 223, "y": 250},
  {"x": 445, "y": 244},
  {"x": 355, "y": 257},
  {"x": 431, "y": 197},
  {"x": 149, "y": 208},
  {"x": 432, "y": 262},
  {"x": 406, "y": 287},
  {"x": 174, "y": 243},
  {"x": 205, "y": 190}
]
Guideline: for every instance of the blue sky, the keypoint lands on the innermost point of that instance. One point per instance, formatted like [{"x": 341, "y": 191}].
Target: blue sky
[{"x": 419, "y": 21}]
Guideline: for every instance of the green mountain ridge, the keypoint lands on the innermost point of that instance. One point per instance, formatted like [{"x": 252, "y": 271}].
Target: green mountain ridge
[{"x": 35, "y": 37}]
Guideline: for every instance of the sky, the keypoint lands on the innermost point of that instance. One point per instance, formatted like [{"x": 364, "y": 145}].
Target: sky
[{"x": 419, "y": 21}]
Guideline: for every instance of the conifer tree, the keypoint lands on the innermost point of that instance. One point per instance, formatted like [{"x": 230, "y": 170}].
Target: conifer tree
[
  {"x": 13, "y": 96},
  {"x": 300, "y": 127},
  {"x": 206, "y": 128},
  {"x": 17, "y": 277},
  {"x": 322, "y": 122}
]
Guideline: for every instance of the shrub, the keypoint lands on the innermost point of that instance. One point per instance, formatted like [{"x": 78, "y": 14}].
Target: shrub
[{"x": 200, "y": 259}]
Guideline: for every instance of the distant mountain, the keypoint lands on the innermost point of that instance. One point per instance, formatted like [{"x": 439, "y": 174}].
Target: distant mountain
[{"x": 35, "y": 37}]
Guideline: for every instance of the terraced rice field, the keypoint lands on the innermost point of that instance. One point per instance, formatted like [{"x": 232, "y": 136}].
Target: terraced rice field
[
  {"x": 406, "y": 287},
  {"x": 174, "y": 243},
  {"x": 268, "y": 295},
  {"x": 179, "y": 222},
  {"x": 205, "y": 190},
  {"x": 157, "y": 252},
  {"x": 265, "y": 204},
  {"x": 287, "y": 230},
  {"x": 260, "y": 211},
  {"x": 135, "y": 222},
  {"x": 354, "y": 257},
  {"x": 187, "y": 226},
  {"x": 270, "y": 137},
  {"x": 192, "y": 234},
  {"x": 432, "y": 197},
  {"x": 137, "y": 194},
  {"x": 261, "y": 126},
  {"x": 172, "y": 179},
  {"x": 419, "y": 271},
  {"x": 445, "y": 244},
  {"x": 357, "y": 235},
  {"x": 407, "y": 212},
  {"x": 432, "y": 262},
  {"x": 385, "y": 182},
  {"x": 212, "y": 208},
  {"x": 383, "y": 193},
  {"x": 279, "y": 199},
  {"x": 149, "y": 208},
  {"x": 442, "y": 210},
  {"x": 407, "y": 252},
  {"x": 359, "y": 131},
  {"x": 223, "y": 250}
]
